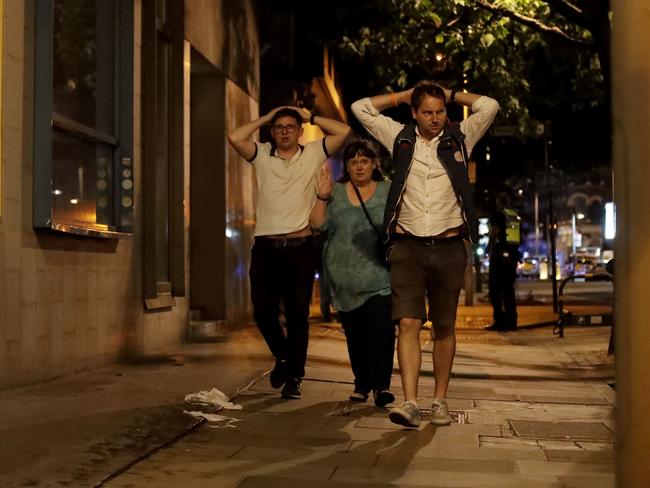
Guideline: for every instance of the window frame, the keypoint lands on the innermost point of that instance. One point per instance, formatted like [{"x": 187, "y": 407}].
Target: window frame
[{"x": 46, "y": 121}]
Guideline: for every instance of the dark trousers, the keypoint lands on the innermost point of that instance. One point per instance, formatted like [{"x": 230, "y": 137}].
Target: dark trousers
[
  {"x": 502, "y": 298},
  {"x": 370, "y": 334},
  {"x": 283, "y": 273}
]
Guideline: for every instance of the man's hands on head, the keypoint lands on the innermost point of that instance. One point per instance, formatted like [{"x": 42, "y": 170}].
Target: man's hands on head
[
  {"x": 267, "y": 118},
  {"x": 404, "y": 96},
  {"x": 304, "y": 113}
]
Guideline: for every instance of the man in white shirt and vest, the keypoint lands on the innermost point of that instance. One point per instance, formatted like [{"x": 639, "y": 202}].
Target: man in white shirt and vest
[
  {"x": 429, "y": 213},
  {"x": 283, "y": 259}
]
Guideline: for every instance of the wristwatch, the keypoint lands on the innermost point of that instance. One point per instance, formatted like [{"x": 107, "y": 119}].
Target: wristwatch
[
  {"x": 311, "y": 119},
  {"x": 452, "y": 96}
]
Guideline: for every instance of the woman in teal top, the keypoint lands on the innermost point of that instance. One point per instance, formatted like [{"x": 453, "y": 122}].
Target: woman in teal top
[{"x": 359, "y": 279}]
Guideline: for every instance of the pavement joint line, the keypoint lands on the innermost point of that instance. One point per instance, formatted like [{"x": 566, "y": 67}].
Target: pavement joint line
[
  {"x": 254, "y": 378},
  {"x": 323, "y": 380}
]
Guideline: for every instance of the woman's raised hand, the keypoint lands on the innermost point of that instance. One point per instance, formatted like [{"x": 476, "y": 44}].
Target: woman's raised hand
[{"x": 324, "y": 182}]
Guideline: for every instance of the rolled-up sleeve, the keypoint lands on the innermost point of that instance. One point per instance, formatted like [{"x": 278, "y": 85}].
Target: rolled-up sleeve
[
  {"x": 484, "y": 110},
  {"x": 382, "y": 128}
]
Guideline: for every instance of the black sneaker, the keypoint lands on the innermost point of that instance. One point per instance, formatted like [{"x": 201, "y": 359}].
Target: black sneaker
[
  {"x": 495, "y": 327},
  {"x": 292, "y": 389},
  {"x": 279, "y": 374},
  {"x": 383, "y": 397}
]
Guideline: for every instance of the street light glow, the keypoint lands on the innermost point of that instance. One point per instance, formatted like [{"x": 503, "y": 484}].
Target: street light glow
[{"x": 610, "y": 220}]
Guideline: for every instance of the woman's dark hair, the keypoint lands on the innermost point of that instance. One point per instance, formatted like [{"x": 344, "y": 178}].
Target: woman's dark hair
[
  {"x": 359, "y": 148},
  {"x": 423, "y": 88}
]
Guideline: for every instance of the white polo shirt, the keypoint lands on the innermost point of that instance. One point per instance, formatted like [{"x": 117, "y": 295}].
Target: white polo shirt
[
  {"x": 429, "y": 204},
  {"x": 286, "y": 189}
]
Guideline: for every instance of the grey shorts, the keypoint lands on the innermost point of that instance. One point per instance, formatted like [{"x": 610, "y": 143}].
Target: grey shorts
[{"x": 422, "y": 268}]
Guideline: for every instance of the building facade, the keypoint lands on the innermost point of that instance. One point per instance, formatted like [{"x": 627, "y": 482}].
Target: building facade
[{"x": 122, "y": 209}]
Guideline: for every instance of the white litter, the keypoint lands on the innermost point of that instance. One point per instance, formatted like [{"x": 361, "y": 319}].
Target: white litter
[
  {"x": 213, "y": 397},
  {"x": 213, "y": 417}
]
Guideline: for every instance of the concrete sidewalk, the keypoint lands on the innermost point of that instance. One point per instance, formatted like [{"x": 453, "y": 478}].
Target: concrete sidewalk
[
  {"x": 532, "y": 410},
  {"x": 79, "y": 430}
]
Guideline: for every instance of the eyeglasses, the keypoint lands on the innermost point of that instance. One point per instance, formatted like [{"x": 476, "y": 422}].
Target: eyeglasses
[{"x": 287, "y": 128}]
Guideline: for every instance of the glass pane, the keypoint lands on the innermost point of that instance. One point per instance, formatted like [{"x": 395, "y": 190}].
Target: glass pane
[
  {"x": 83, "y": 64},
  {"x": 82, "y": 182}
]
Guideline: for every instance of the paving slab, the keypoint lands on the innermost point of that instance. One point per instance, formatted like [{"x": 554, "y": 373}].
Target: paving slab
[
  {"x": 344, "y": 458},
  {"x": 488, "y": 411},
  {"x": 159, "y": 479},
  {"x": 382, "y": 422},
  {"x": 433, "y": 478},
  {"x": 591, "y": 481},
  {"x": 563, "y": 468},
  {"x": 561, "y": 430},
  {"x": 447, "y": 464},
  {"x": 508, "y": 442},
  {"x": 596, "y": 446},
  {"x": 581, "y": 456},
  {"x": 277, "y": 482},
  {"x": 563, "y": 399},
  {"x": 429, "y": 450}
]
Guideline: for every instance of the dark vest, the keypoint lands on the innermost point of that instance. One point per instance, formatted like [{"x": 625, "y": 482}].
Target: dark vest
[{"x": 453, "y": 156}]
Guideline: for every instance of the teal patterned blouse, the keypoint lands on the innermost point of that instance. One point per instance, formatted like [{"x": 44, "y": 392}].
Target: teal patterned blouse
[{"x": 350, "y": 256}]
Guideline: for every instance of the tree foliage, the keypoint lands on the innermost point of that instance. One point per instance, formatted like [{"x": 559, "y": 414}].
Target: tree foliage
[{"x": 532, "y": 55}]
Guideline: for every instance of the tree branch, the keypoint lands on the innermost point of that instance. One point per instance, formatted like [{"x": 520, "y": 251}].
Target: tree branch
[
  {"x": 571, "y": 11},
  {"x": 535, "y": 24}
]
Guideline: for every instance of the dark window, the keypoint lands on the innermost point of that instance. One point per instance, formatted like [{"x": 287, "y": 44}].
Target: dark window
[{"x": 83, "y": 178}]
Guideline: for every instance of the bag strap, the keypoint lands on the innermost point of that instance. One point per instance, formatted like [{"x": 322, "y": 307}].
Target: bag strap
[{"x": 365, "y": 210}]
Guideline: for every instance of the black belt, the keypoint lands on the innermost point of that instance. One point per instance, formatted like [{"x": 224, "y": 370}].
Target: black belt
[
  {"x": 282, "y": 242},
  {"x": 428, "y": 241}
]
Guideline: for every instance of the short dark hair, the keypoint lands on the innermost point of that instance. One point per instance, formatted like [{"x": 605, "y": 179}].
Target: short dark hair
[
  {"x": 359, "y": 148},
  {"x": 286, "y": 112},
  {"x": 423, "y": 88}
]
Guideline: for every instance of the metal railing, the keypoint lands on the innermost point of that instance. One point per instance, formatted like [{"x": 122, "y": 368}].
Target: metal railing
[{"x": 566, "y": 316}]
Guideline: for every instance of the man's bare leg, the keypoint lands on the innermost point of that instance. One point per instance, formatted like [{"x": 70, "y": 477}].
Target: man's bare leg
[
  {"x": 444, "y": 350},
  {"x": 409, "y": 356}
]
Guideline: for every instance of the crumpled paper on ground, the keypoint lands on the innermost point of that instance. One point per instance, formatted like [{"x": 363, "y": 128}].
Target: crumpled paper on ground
[
  {"x": 213, "y": 417},
  {"x": 214, "y": 397}
]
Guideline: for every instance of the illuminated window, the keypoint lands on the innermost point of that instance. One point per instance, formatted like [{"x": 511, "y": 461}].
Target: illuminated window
[{"x": 83, "y": 177}]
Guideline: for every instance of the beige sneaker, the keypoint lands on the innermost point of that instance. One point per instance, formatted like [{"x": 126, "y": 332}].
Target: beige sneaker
[
  {"x": 440, "y": 412},
  {"x": 407, "y": 414}
]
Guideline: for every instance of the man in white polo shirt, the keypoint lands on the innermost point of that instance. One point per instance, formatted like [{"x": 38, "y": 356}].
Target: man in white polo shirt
[
  {"x": 429, "y": 211},
  {"x": 283, "y": 258}
]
